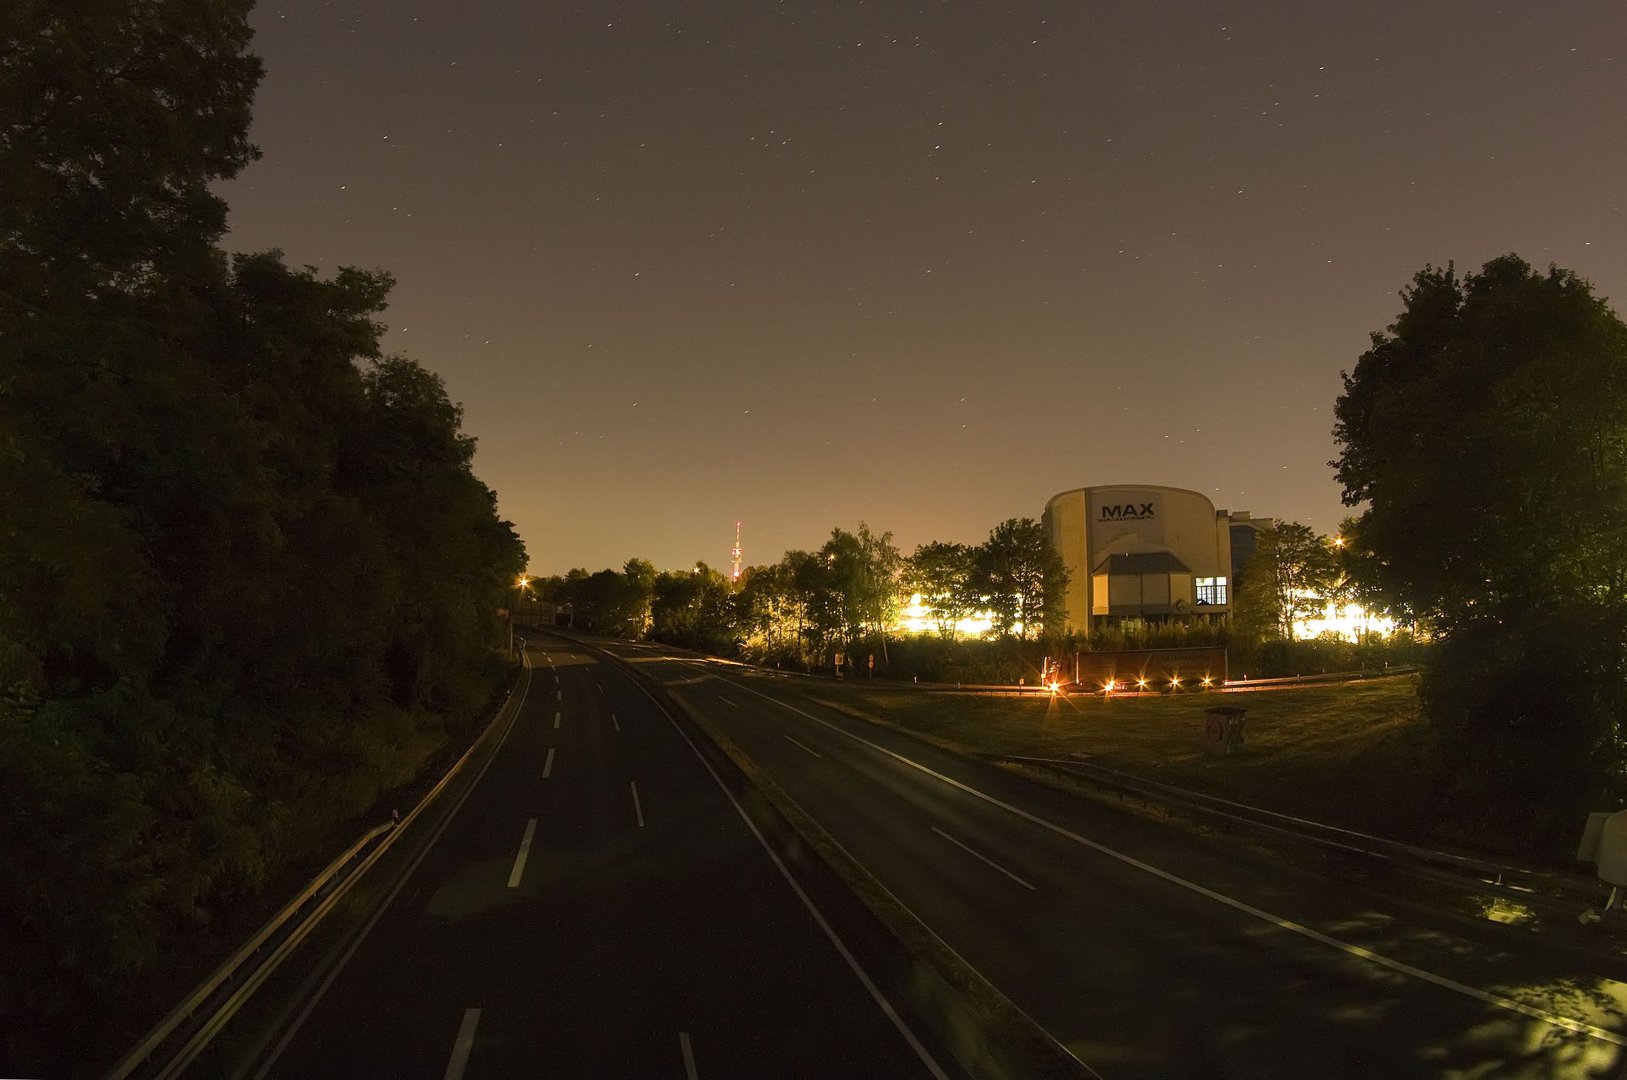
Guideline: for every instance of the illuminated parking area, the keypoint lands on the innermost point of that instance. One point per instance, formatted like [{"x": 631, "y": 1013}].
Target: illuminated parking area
[
  {"x": 1351, "y": 622},
  {"x": 916, "y": 618}
]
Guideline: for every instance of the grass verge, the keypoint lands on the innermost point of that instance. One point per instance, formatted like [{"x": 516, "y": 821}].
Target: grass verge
[{"x": 1353, "y": 755}]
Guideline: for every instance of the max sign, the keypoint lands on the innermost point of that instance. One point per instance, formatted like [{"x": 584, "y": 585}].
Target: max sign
[{"x": 1127, "y": 512}]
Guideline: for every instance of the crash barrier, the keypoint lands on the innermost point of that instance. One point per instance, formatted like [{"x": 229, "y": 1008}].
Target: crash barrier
[{"x": 1516, "y": 882}]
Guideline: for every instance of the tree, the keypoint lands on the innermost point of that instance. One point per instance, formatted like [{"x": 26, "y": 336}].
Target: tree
[
  {"x": 884, "y": 566},
  {"x": 609, "y": 602},
  {"x": 1485, "y": 436},
  {"x": 946, "y": 577},
  {"x": 117, "y": 119},
  {"x": 1022, "y": 576},
  {"x": 694, "y": 609},
  {"x": 772, "y": 611},
  {"x": 638, "y": 577},
  {"x": 853, "y": 587},
  {"x": 247, "y": 577},
  {"x": 1289, "y": 577}
]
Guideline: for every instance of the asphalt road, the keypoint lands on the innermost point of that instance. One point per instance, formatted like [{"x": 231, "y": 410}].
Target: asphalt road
[
  {"x": 598, "y": 907},
  {"x": 1152, "y": 950}
]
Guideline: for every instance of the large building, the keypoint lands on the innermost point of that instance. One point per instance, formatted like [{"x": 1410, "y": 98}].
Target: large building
[{"x": 1139, "y": 552}]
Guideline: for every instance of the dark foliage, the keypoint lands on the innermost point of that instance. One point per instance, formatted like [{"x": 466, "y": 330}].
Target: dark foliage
[
  {"x": 1486, "y": 434},
  {"x": 247, "y": 578}
]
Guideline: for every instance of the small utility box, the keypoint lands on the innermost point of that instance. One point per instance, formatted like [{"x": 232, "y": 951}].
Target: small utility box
[
  {"x": 1587, "y": 849},
  {"x": 1610, "y": 849},
  {"x": 1223, "y": 729}
]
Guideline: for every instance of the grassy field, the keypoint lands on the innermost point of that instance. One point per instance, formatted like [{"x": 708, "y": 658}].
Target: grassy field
[{"x": 1347, "y": 755}]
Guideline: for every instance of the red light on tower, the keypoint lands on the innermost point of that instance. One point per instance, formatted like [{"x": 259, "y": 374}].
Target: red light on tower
[{"x": 734, "y": 554}]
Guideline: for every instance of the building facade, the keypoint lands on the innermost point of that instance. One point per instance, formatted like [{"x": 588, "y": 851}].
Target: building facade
[{"x": 1142, "y": 552}]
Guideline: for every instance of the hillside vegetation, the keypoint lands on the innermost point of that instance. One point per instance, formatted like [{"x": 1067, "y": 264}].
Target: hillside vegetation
[{"x": 248, "y": 580}]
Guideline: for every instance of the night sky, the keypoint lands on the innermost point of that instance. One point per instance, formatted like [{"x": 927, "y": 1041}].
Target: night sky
[{"x": 919, "y": 264}]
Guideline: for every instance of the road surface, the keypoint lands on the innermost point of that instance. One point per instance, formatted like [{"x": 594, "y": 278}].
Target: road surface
[
  {"x": 598, "y": 907},
  {"x": 1152, "y": 950}
]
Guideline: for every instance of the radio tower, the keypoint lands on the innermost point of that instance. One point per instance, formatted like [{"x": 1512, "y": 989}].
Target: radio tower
[{"x": 734, "y": 554}]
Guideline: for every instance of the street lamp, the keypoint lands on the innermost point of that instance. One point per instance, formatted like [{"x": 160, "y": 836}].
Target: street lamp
[{"x": 521, "y": 584}]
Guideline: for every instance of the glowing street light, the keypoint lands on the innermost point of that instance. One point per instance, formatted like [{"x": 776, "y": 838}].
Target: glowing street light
[{"x": 521, "y": 584}]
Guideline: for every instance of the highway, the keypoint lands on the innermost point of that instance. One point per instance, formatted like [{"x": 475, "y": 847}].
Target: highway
[
  {"x": 1154, "y": 950},
  {"x": 598, "y": 907}
]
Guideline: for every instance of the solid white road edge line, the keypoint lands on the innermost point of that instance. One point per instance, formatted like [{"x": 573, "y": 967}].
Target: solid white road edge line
[
  {"x": 1357, "y": 951},
  {"x": 637, "y": 809},
  {"x": 465, "y": 1043},
  {"x": 548, "y": 766},
  {"x": 689, "y": 1056},
  {"x": 525, "y": 853},
  {"x": 818, "y": 917},
  {"x": 810, "y": 749},
  {"x": 333, "y": 973},
  {"x": 978, "y": 855}
]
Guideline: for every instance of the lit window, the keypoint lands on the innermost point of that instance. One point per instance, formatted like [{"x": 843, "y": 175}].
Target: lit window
[{"x": 1211, "y": 590}]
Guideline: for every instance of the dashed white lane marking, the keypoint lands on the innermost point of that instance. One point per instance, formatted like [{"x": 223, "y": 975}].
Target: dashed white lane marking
[
  {"x": 818, "y": 917},
  {"x": 465, "y": 1042},
  {"x": 727, "y": 702},
  {"x": 810, "y": 749},
  {"x": 614, "y": 722},
  {"x": 548, "y": 766},
  {"x": 525, "y": 853},
  {"x": 1358, "y": 951},
  {"x": 977, "y": 855},
  {"x": 556, "y": 721},
  {"x": 689, "y": 1056},
  {"x": 598, "y": 687},
  {"x": 637, "y": 809},
  {"x": 559, "y": 695}
]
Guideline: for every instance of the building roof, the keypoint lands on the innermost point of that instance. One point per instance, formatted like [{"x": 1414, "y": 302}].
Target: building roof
[
  {"x": 1152, "y": 562},
  {"x": 1160, "y": 489}
]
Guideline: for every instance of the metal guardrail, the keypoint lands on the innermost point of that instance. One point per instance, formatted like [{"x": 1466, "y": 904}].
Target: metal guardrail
[
  {"x": 1349, "y": 840},
  {"x": 177, "y": 1040},
  {"x": 236, "y": 964},
  {"x": 1286, "y": 681}
]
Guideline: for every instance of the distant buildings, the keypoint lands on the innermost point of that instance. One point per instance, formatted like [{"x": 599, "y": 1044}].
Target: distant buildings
[{"x": 1139, "y": 552}]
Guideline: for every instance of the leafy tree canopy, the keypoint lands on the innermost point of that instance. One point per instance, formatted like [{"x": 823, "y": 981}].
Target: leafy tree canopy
[
  {"x": 1484, "y": 436},
  {"x": 1290, "y": 576},
  {"x": 946, "y": 576},
  {"x": 1022, "y": 576},
  {"x": 248, "y": 581}
]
